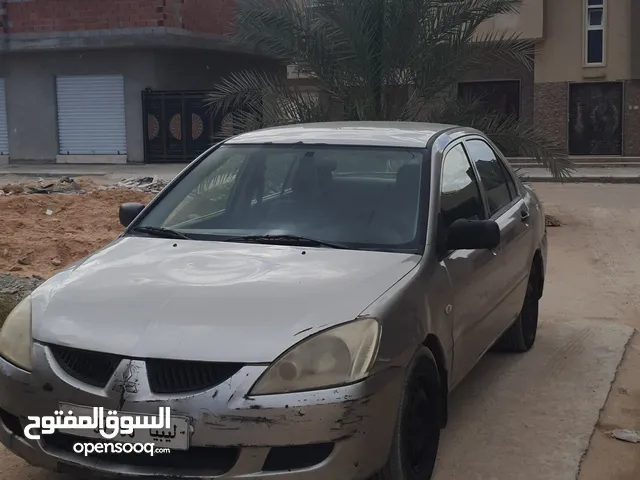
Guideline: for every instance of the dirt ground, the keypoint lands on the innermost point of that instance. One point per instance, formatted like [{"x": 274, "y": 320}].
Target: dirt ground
[
  {"x": 594, "y": 273},
  {"x": 34, "y": 243}
]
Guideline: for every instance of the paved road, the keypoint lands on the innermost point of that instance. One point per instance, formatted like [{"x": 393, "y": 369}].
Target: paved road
[{"x": 530, "y": 417}]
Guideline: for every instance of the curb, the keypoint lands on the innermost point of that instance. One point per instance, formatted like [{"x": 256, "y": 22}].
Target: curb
[
  {"x": 613, "y": 180},
  {"x": 581, "y": 165},
  {"x": 53, "y": 174}
]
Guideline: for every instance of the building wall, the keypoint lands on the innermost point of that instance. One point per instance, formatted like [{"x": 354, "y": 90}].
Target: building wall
[
  {"x": 560, "y": 56},
  {"x": 509, "y": 71},
  {"x": 550, "y": 110},
  {"x": 560, "y": 61},
  {"x": 175, "y": 69},
  {"x": 31, "y": 94},
  {"x": 528, "y": 23},
  {"x": 31, "y": 97},
  {"x": 202, "y": 16},
  {"x": 208, "y": 16},
  {"x": 552, "y": 114},
  {"x": 631, "y": 133}
]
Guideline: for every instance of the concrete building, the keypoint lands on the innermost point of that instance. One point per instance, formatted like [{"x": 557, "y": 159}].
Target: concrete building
[
  {"x": 99, "y": 81},
  {"x": 585, "y": 86}
]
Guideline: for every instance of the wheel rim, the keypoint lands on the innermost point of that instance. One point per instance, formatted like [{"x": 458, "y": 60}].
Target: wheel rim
[
  {"x": 530, "y": 315},
  {"x": 419, "y": 444}
]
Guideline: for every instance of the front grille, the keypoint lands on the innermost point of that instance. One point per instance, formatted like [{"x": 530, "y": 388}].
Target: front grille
[
  {"x": 173, "y": 376},
  {"x": 197, "y": 461},
  {"x": 89, "y": 367}
]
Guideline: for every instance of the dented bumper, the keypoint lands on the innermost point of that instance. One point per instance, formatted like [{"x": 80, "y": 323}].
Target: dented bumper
[{"x": 341, "y": 433}]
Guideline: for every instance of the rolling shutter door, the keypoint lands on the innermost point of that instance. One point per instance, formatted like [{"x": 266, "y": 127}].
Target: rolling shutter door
[
  {"x": 4, "y": 131},
  {"x": 91, "y": 115}
]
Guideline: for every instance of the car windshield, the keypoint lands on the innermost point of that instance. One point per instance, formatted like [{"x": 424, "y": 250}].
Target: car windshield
[{"x": 346, "y": 197}]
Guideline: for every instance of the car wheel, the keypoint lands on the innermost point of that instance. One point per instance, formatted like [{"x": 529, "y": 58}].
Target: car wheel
[
  {"x": 417, "y": 435},
  {"x": 522, "y": 334}
]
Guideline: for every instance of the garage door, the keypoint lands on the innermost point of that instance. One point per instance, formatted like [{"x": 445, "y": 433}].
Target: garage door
[
  {"x": 91, "y": 115},
  {"x": 4, "y": 132}
]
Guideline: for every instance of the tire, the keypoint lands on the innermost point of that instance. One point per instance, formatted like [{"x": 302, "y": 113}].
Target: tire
[
  {"x": 417, "y": 434},
  {"x": 521, "y": 337}
]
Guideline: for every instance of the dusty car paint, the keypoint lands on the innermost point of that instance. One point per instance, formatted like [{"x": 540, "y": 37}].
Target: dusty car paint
[
  {"x": 154, "y": 281},
  {"x": 186, "y": 300}
]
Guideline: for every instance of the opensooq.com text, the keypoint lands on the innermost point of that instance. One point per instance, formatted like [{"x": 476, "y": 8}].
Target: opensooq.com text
[{"x": 112, "y": 447}]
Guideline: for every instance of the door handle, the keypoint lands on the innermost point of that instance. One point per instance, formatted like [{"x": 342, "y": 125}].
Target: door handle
[{"x": 524, "y": 215}]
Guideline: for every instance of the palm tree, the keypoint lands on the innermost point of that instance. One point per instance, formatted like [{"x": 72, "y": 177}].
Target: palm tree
[{"x": 378, "y": 60}]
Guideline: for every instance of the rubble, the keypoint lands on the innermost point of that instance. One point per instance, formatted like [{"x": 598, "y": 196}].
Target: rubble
[
  {"x": 69, "y": 185},
  {"x": 551, "y": 221},
  {"x": 629, "y": 436},
  {"x": 143, "y": 184},
  {"x": 63, "y": 185}
]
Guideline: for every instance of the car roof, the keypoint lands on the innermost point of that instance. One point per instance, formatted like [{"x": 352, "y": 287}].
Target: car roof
[{"x": 379, "y": 134}]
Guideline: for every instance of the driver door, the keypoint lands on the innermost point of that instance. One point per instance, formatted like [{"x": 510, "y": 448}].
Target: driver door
[{"x": 471, "y": 272}]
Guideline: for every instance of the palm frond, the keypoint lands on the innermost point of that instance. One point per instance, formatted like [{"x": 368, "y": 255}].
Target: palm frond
[
  {"x": 378, "y": 60},
  {"x": 453, "y": 44},
  {"x": 508, "y": 132},
  {"x": 257, "y": 100}
]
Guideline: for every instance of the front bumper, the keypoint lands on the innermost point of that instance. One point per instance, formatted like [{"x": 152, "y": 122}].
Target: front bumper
[{"x": 339, "y": 434}]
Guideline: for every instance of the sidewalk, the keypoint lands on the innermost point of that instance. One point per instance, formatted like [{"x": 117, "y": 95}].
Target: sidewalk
[
  {"x": 586, "y": 175},
  {"x": 114, "y": 173}
]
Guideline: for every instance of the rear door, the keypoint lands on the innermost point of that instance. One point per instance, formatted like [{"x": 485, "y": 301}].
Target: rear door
[
  {"x": 470, "y": 271},
  {"x": 507, "y": 207}
]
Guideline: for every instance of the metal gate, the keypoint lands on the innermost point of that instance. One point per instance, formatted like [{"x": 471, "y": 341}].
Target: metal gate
[
  {"x": 91, "y": 115},
  {"x": 595, "y": 118},
  {"x": 4, "y": 130},
  {"x": 178, "y": 126}
]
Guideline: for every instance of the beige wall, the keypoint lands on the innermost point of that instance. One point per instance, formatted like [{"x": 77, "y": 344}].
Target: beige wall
[
  {"x": 560, "y": 56},
  {"x": 529, "y": 23}
]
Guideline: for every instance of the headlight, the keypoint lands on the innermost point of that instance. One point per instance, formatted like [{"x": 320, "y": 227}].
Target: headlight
[
  {"x": 15, "y": 335},
  {"x": 337, "y": 356}
]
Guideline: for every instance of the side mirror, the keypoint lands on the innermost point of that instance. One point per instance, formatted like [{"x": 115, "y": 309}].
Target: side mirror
[
  {"x": 128, "y": 212},
  {"x": 473, "y": 235}
]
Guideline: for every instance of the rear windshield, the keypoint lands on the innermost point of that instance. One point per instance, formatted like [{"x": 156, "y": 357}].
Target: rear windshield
[{"x": 358, "y": 197}]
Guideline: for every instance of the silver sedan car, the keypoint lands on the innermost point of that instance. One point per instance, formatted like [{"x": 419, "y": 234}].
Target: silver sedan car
[{"x": 303, "y": 298}]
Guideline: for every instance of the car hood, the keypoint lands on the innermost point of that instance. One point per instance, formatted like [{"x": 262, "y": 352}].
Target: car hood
[{"x": 211, "y": 301}]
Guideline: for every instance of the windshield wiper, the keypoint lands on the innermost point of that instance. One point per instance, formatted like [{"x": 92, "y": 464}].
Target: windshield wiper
[
  {"x": 286, "y": 239},
  {"x": 161, "y": 232}
]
